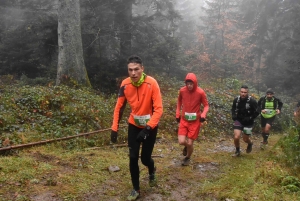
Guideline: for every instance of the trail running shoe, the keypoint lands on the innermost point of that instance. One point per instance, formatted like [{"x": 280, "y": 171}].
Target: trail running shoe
[
  {"x": 236, "y": 154},
  {"x": 133, "y": 195},
  {"x": 249, "y": 147},
  {"x": 184, "y": 151},
  {"x": 152, "y": 179},
  {"x": 263, "y": 145},
  {"x": 186, "y": 161}
]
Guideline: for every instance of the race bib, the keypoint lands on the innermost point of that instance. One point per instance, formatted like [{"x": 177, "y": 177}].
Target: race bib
[
  {"x": 247, "y": 130},
  {"x": 141, "y": 120},
  {"x": 269, "y": 111},
  {"x": 190, "y": 116}
]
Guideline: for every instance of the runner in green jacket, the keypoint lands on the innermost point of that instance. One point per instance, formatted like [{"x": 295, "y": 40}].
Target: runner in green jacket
[{"x": 269, "y": 106}]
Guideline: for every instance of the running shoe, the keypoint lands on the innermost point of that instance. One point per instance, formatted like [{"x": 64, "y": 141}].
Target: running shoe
[
  {"x": 133, "y": 195},
  {"x": 236, "y": 154},
  {"x": 249, "y": 147},
  {"x": 263, "y": 144},
  {"x": 152, "y": 179},
  {"x": 186, "y": 161}
]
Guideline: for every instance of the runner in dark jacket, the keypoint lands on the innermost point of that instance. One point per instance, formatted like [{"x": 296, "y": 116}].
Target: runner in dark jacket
[{"x": 243, "y": 111}]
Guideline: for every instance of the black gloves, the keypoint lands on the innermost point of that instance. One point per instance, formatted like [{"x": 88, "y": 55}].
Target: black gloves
[
  {"x": 234, "y": 117},
  {"x": 245, "y": 119},
  {"x": 113, "y": 136},
  {"x": 143, "y": 134},
  {"x": 178, "y": 120},
  {"x": 202, "y": 119}
]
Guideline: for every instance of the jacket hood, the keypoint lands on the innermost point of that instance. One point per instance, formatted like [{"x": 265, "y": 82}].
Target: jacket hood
[{"x": 192, "y": 76}]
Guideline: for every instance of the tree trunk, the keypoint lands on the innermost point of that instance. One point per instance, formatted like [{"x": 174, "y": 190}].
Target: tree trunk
[
  {"x": 258, "y": 71},
  {"x": 70, "y": 53},
  {"x": 123, "y": 19}
]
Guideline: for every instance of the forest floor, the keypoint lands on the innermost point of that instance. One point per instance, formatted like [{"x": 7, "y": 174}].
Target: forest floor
[{"x": 85, "y": 175}]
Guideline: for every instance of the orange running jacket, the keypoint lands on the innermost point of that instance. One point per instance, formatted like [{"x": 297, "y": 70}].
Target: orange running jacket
[{"x": 143, "y": 100}]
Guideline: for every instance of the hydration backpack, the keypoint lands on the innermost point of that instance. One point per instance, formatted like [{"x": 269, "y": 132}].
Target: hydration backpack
[{"x": 238, "y": 101}]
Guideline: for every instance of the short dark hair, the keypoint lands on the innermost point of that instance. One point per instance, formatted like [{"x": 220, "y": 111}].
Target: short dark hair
[
  {"x": 134, "y": 59},
  {"x": 244, "y": 87},
  {"x": 269, "y": 91}
]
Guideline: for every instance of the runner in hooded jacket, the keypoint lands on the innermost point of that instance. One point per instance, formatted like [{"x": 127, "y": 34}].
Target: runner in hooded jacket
[
  {"x": 190, "y": 101},
  {"x": 189, "y": 115}
]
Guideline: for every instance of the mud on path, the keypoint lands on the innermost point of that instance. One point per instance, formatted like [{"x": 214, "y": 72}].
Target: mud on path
[{"x": 175, "y": 182}]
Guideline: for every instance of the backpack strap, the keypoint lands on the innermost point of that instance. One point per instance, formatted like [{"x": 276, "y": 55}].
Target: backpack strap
[
  {"x": 247, "y": 103},
  {"x": 237, "y": 104}
]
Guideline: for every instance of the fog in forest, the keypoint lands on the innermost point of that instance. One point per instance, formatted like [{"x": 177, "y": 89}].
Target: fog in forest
[
  {"x": 62, "y": 63},
  {"x": 254, "y": 41}
]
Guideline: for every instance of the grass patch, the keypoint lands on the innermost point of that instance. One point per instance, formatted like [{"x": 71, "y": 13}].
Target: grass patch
[
  {"x": 213, "y": 175},
  {"x": 77, "y": 169}
]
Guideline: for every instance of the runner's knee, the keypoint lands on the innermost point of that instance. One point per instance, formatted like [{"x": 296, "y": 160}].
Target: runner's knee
[
  {"x": 182, "y": 141},
  {"x": 147, "y": 161}
]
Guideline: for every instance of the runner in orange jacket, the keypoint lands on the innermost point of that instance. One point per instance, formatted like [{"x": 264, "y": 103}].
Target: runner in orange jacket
[
  {"x": 189, "y": 115},
  {"x": 143, "y": 95}
]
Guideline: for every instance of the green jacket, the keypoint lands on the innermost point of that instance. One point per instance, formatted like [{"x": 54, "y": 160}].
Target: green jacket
[{"x": 270, "y": 106}]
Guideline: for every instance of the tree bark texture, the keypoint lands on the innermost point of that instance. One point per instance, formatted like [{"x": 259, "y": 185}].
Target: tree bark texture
[
  {"x": 70, "y": 53},
  {"x": 123, "y": 19}
]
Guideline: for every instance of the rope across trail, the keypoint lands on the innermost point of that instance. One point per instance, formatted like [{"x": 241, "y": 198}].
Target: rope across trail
[{"x": 53, "y": 140}]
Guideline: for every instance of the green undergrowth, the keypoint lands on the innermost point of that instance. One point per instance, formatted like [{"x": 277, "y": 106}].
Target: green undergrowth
[
  {"x": 78, "y": 168},
  {"x": 258, "y": 176},
  {"x": 30, "y": 114},
  {"x": 36, "y": 113},
  {"x": 52, "y": 171}
]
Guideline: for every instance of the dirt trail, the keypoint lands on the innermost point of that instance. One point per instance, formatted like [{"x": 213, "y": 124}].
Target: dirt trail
[{"x": 175, "y": 182}]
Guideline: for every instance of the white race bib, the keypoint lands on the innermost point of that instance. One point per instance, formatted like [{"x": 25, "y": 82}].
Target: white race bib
[
  {"x": 269, "y": 111},
  {"x": 141, "y": 120},
  {"x": 190, "y": 116},
  {"x": 247, "y": 130}
]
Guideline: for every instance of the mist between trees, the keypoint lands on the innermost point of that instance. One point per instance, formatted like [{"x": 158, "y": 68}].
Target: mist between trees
[{"x": 87, "y": 42}]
